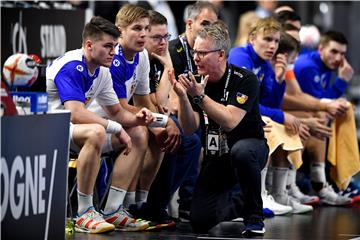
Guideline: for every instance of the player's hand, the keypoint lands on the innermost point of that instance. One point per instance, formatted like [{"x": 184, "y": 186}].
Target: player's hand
[
  {"x": 144, "y": 117},
  {"x": 268, "y": 126},
  {"x": 124, "y": 140},
  {"x": 345, "y": 70},
  {"x": 318, "y": 127},
  {"x": 162, "y": 109},
  {"x": 280, "y": 67},
  {"x": 165, "y": 59},
  {"x": 291, "y": 123},
  {"x": 304, "y": 132},
  {"x": 337, "y": 107},
  {"x": 173, "y": 140}
]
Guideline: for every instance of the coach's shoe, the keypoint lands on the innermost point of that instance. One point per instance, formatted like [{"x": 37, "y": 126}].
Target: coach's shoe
[
  {"x": 92, "y": 222},
  {"x": 123, "y": 221},
  {"x": 254, "y": 228},
  {"x": 330, "y": 197},
  {"x": 160, "y": 220}
]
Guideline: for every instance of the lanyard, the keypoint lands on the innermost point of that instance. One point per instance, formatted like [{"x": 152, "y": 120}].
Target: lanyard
[
  {"x": 157, "y": 74},
  {"x": 223, "y": 99},
  {"x": 226, "y": 92},
  {"x": 186, "y": 49}
]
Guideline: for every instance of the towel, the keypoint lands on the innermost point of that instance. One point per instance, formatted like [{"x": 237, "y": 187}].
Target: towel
[
  {"x": 279, "y": 137},
  {"x": 343, "y": 150}
]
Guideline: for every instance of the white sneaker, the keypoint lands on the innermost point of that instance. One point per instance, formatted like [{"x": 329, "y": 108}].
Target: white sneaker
[
  {"x": 288, "y": 200},
  {"x": 123, "y": 221},
  {"x": 295, "y": 192},
  {"x": 329, "y": 196},
  {"x": 278, "y": 209},
  {"x": 239, "y": 219}
]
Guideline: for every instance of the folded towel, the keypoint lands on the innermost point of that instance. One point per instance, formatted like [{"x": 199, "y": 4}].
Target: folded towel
[
  {"x": 279, "y": 137},
  {"x": 343, "y": 150}
]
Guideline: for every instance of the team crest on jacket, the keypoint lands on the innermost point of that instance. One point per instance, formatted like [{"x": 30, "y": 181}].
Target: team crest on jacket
[
  {"x": 79, "y": 68},
  {"x": 241, "y": 98},
  {"x": 116, "y": 62}
]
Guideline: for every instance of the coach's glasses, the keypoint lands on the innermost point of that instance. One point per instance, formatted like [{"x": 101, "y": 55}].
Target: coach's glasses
[{"x": 202, "y": 54}]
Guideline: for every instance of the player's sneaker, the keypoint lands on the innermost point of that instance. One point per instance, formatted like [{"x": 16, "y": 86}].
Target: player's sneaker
[
  {"x": 276, "y": 208},
  {"x": 294, "y": 191},
  {"x": 268, "y": 213},
  {"x": 288, "y": 200},
  {"x": 92, "y": 222},
  {"x": 352, "y": 191},
  {"x": 330, "y": 197},
  {"x": 123, "y": 221}
]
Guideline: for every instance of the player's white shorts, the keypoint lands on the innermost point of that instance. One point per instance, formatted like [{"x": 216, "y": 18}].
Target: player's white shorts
[{"x": 75, "y": 148}]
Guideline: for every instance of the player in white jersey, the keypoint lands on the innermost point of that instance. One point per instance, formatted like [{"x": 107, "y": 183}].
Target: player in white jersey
[
  {"x": 74, "y": 80},
  {"x": 130, "y": 73}
]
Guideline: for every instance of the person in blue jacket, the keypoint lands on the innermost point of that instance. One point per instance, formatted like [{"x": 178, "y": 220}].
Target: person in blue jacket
[
  {"x": 314, "y": 70},
  {"x": 314, "y": 73}
]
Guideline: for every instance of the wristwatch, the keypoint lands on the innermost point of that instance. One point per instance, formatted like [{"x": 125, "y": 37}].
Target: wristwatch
[{"x": 198, "y": 99}]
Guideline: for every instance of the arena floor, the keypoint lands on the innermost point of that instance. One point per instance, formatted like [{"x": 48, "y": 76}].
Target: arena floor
[{"x": 324, "y": 222}]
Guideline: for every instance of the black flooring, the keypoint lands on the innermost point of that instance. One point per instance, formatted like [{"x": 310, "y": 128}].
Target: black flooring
[{"x": 324, "y": 222}]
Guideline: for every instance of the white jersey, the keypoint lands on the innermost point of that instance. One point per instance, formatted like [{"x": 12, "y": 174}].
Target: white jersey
[
  {"x": 68, "y": 78},
  {"x": 130, "y": 77}
]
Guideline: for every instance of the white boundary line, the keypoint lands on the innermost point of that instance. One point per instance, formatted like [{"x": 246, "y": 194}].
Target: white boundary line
[{"x": 50, "y": 195}]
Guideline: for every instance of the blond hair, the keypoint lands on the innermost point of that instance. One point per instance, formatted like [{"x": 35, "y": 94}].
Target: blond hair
[
  {"x": 130, "y": 13},
  {"x": 268, "y": 24}
]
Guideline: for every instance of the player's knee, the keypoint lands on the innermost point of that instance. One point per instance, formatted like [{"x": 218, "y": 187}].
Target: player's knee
[
  {"x": 96, "y": 135},
  {"x": 139, "y": 136}
]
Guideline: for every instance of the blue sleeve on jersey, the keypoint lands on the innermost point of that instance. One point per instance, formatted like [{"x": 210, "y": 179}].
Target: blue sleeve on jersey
[
  {"x": 336, "y": 90},
  {"x": 70, "y": 83},
  {"x": 305, "y": 77},
  {"x": 275, "y": 114},
  {"x": 306, "y": 71},
  {"x": 239, "y": 58},
  {"x": 118, "y": 78},
  {"x": 277, "y": 94}
]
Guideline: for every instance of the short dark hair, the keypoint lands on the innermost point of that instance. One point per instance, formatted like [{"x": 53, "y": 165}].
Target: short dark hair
[
  {"x": 333, "y": 36},
  {"x": 195, "y": 9},
  {"x": 288, "y": 44},
  {"x": 99, "y": 26},
  {"x": 289, "y": 27},
  {"x": 157, "y": 18},
  {"x": 285, "y": 16}
]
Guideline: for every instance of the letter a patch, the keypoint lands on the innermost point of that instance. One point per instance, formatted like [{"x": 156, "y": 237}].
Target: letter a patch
[{"x": 213, "y": 142}]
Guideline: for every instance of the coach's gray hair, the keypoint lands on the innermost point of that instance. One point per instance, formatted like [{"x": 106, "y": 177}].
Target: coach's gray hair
[
  {"x": 218, "y": 32},
  {"x": 194, "y": 10}
]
